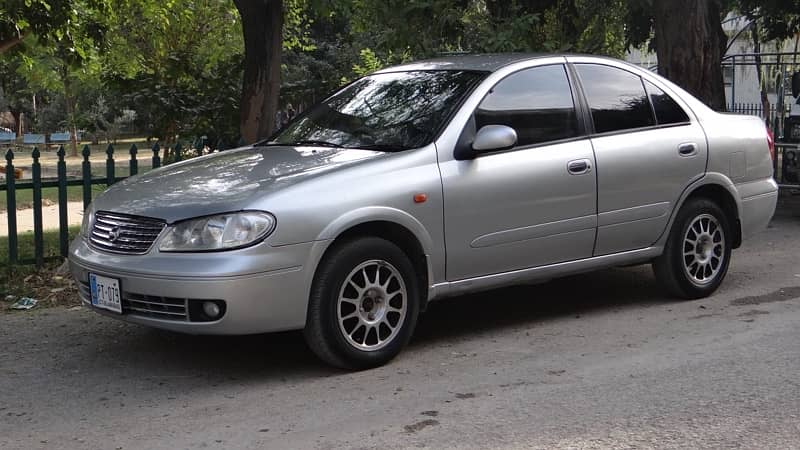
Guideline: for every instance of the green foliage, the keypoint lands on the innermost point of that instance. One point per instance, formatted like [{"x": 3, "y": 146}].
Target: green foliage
[
  {"x": 422, "y": 28},
  {"x": 297, "y": 22},
  {"x": 780, "y": 19},
  {"x": 178, "y": 65},
  {"x": 71, "y": 25},
  {"x": 167, "y": 107},
  {"x": 15, "y": 93},
  {"x": 347, "y": 39}
]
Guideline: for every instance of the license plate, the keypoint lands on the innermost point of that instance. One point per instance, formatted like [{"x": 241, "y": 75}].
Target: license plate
[{"x": 105, "y": 293}]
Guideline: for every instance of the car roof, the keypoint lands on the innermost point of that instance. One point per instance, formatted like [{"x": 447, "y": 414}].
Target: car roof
[{"x": 486, "y": 62}]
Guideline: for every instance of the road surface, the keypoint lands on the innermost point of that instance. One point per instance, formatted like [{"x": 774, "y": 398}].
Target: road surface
[{"x": 601, "y": 360}]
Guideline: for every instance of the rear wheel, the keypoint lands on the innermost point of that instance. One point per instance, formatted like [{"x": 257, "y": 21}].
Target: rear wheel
[
  {"x": 364, "y": 304},
  {"x": 698, "y": 251}
]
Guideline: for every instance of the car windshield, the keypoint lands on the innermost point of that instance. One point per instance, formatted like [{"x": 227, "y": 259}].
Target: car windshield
[{"x": 388, "y": 111}]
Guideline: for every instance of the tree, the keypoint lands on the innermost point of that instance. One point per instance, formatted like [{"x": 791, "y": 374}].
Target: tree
[
  {"x": 67, "y": 36},
  {"x": 178, "y": 84},
  {"x": 15, "y": 94},
  {"x": 689, "y": 42},
  {"x": 52, "y": 21},
  {"x": 780, "y": 18},
  {"x": 262, "y": 27},
  {"x": 770, "y": 20}
]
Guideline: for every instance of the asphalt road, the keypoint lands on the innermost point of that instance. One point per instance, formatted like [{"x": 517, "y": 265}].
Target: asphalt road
[{"x": 591, "y": 361}]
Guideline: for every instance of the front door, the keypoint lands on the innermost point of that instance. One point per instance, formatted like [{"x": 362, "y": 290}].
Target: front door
[{"x": 534, "y": 204}]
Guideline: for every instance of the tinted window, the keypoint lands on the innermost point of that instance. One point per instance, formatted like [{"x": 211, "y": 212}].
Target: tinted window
[
  {"x": 536, "y": 102},
  {"x": 389, "y": 111},
  {"x": 616, "y": 97},
  {"x": 667, "y": 110}
]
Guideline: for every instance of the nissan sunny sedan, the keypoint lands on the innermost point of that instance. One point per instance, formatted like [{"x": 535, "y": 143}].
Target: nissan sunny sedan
[{"x": 429, "y": 180}]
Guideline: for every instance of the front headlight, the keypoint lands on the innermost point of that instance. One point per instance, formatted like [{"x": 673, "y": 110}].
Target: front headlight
[{"x": 221, "y": 232}]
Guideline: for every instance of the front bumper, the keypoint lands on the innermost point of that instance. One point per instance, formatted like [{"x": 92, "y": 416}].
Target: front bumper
[{"x": 264, "y": 288}]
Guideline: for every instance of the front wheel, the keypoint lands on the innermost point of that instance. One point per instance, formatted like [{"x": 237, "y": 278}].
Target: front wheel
[
  {"x": 364, "y": 304},
  {"x": 698, "y": 251}
]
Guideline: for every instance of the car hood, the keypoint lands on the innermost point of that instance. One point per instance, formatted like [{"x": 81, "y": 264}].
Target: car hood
[{"x": 222, "y": 182}]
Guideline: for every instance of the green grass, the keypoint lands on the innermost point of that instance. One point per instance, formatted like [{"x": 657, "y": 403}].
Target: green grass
[
  {"x": 25, "y": 245},
  {"x": 121, "y": 148},
  {"x": 25, "y": 196}
]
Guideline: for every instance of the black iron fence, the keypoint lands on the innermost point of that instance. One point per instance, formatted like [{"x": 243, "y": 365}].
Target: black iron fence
[
  {"x": 62, "y": 181},
  {"x": 772, "y": 115}
]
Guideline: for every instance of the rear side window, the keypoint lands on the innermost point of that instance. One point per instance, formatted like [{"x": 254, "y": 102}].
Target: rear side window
[
  {"x": 667, "y": 110},
  {"x": 616, "y": 98},
  {"x": 536, "y": 102}
]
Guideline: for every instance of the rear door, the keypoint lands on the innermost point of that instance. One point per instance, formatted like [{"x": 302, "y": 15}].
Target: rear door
[{"x": 648, "y": 150}]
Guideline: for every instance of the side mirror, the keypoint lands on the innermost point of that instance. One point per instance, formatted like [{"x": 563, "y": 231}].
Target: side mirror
[
  {"x": 796, "y": 84},
  {"x": 494, "y": 137}
]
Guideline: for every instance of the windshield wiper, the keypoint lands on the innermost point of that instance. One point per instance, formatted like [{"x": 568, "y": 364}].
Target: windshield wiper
[
  {"x": 301, "y": 142},
  {"x": 382, "y": 147},
  {"x": 314, "y": 142}
]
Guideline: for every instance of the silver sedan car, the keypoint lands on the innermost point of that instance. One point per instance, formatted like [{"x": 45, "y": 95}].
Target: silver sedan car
[{"x": 424, "y": 181}]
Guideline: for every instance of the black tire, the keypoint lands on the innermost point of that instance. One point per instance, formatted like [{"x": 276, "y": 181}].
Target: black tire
[
  {"x": 673, "y": 269},
  {"x": 323, "y": 333}
]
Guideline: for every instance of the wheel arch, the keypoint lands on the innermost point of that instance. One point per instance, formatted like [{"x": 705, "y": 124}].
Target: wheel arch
[
  {"x": 719, "y": 189},
  {"x": 395, "y": 226}
]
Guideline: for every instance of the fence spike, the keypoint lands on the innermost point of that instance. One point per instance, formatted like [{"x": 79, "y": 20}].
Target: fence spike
[
  {"x": 86, "y": 172},
  {"x": 38, "y": 232},
  {"x": 11, "y": 207},
  {"x": 63, "y": 236},
  {"x": 110, "y": 165},
  {"x": 134, "y": 163},
  {"x": 178, "y": 149},
  {"x": 156, "y": 158}
]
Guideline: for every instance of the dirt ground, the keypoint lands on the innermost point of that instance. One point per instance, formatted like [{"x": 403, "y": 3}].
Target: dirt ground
[
  {"x": 601, "y": 360},
  {"x": 49, "y": 218}
]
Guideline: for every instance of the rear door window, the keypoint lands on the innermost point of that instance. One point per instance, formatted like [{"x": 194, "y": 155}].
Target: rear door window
[
  {"x": 616, "y": 97},
  {"x": 668, "y": 112}
]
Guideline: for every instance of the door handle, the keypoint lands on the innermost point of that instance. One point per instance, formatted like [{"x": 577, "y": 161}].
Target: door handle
[
  {"x": 687, "y": 149},
  {"x": 579, "y": 166}
]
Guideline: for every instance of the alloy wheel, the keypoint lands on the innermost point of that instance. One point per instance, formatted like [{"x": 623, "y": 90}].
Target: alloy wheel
[
  {"x": 372, "y": 305},
  {"x": 703, "y": 249}
]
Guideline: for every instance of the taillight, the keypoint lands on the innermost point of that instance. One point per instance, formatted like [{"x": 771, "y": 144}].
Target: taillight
[{"x": 771, "y": 143}]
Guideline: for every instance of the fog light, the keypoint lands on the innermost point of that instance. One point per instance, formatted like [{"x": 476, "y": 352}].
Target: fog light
[{"x": 211, "y": 309}]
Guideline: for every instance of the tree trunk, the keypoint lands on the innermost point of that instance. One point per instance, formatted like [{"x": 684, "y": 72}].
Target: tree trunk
[
  {"x": 262, "y": 26},
  {"x": 8, "y": 44},
  {"x": 761, "y": 85},
  {"x": 690, "y": 43},
  {"x": 17, "y": 122},
  {"x": 69, "y": 100}
]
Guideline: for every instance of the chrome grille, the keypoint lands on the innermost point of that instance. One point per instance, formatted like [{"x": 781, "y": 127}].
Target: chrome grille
[
  {"x": 165, "y": 308},
  {"x": 121, "y": 233},
  {"x": 85, "y": 292}
]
